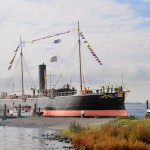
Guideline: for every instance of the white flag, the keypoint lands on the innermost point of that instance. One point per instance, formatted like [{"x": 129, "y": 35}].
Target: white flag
[{"x": 53, "y": 59}]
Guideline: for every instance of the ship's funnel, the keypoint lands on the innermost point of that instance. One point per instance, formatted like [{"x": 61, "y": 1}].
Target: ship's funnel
[{"x": 42, "y": 75}]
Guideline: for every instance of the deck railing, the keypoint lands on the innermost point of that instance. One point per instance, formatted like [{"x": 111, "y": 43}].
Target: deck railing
[{"x": 66, "y": 93}]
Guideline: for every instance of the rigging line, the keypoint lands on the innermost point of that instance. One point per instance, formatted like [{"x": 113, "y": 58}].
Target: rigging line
[
  {"x": 114, "y": 80},
  {"x": 45, "y": 54},
  {"x": 20, "y": 83},
  {"x": 86, "y": 70},
  {"x": 110, "y": 74},
  {"x": 109, "y": 79},
  {"x": 68, "y": 63},
  {"x": 32, "y": 83},
  {"x": 64, "y": 68},
  {"x": 70, "y": 59},
  {"x": 20, "y": 89},
  {"x": 9, "y": 83},
  {"x": 42, "y": 55},
  {"x": 28, "y": 88}
]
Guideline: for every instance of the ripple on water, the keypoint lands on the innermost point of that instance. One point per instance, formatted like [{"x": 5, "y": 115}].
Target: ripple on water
[{"x": 13, "y": 138}]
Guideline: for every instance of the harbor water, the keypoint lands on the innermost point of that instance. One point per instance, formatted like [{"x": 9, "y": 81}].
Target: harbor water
[
  {"x": 13, "y": 138},
  {"x": 136, "y": 109}
]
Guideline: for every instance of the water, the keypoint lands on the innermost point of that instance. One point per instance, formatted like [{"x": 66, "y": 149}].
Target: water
[
  {"x": 12, "y": 138},
  {"x": 136, "y": 109}
]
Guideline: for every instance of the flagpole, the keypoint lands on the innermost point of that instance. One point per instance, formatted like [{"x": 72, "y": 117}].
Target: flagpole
[
  {"x": 50, "y": 80},
  {"x": 122, "y": 80},
  {"x": 80, "y": 57},
  {"x": 22, "y": 67}
]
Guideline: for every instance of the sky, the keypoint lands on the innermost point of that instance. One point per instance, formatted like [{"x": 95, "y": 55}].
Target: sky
[{"x": 117, "y": 30}]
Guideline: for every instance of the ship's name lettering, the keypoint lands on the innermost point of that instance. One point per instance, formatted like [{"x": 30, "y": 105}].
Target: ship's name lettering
[{"x": 106, "y": 96}]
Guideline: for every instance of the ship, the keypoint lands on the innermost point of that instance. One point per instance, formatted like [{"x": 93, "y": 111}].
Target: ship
[{"x": 67, "y": 101}]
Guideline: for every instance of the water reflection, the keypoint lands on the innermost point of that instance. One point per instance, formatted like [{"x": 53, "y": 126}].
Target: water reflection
[{"x": 13, "y": 138}]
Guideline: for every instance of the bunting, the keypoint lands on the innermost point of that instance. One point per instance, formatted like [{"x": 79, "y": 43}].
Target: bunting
[
  {"x": 9, "y": 67},
  {"x": 90, "y": 49},
  {"x": 22, "y": 44},
  {"x": 11, "y": 62},
  {"x": 50, "y": 36},
  {"x": 17, "y": 48}
]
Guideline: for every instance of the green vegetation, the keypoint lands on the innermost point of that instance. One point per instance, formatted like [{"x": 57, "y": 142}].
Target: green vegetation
[{"x": 123, "y": 133}]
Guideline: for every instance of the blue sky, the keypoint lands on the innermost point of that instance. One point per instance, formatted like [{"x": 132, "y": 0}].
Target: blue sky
[
  {"x": 140, "y": 6},
  {"x": 118, "y": 31}
]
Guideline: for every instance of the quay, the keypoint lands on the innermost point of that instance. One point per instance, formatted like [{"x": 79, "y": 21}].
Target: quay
[{"x": 52, "y": 122}]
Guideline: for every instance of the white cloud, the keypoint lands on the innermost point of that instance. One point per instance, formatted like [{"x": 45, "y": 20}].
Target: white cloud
[
  {"x": 116, "y": 32},
  {"x": 145, "y": 0}
]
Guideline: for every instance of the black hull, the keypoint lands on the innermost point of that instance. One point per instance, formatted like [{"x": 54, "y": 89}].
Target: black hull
[
  {"x": 86, "y": 102},
  {"x": 109, "y": 104}
]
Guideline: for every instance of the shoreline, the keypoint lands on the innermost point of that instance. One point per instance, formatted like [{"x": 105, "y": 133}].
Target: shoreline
[{"x": 55, "y": 123}]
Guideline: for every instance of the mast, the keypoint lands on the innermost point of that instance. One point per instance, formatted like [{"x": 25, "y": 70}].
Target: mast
[
  {"x": 50, "y": 80},
  {"x": 21, "y": 54},
  {"x": 80, "y": 57},
  {"x": 122, "y": 81}
]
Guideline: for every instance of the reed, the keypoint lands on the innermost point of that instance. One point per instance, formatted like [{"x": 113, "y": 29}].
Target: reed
[{"x": 113, "y": 136}]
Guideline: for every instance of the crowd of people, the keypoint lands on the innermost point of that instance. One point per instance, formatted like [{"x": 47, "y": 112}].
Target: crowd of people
[
  {"x": 106, "y": 89},
  {"x": 103, "y": 89},
  {"x": 110, "y": 89}
]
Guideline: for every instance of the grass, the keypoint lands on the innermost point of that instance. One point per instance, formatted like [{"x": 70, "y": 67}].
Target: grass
[{"x": 123, "y": 133}]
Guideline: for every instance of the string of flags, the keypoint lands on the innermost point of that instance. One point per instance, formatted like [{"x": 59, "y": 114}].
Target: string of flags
[
  {"x": 17, "y": 48},
  {"x": 46, "y": 37},
  {"x": 22, "y": 44},
  {"x": 11, "y": 62},
  {"x": 89, "y": 47},
  {"x": 54, "y": 58}
]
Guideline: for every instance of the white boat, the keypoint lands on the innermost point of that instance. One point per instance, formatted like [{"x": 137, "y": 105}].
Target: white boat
[{"x": 25, "y": 111}]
